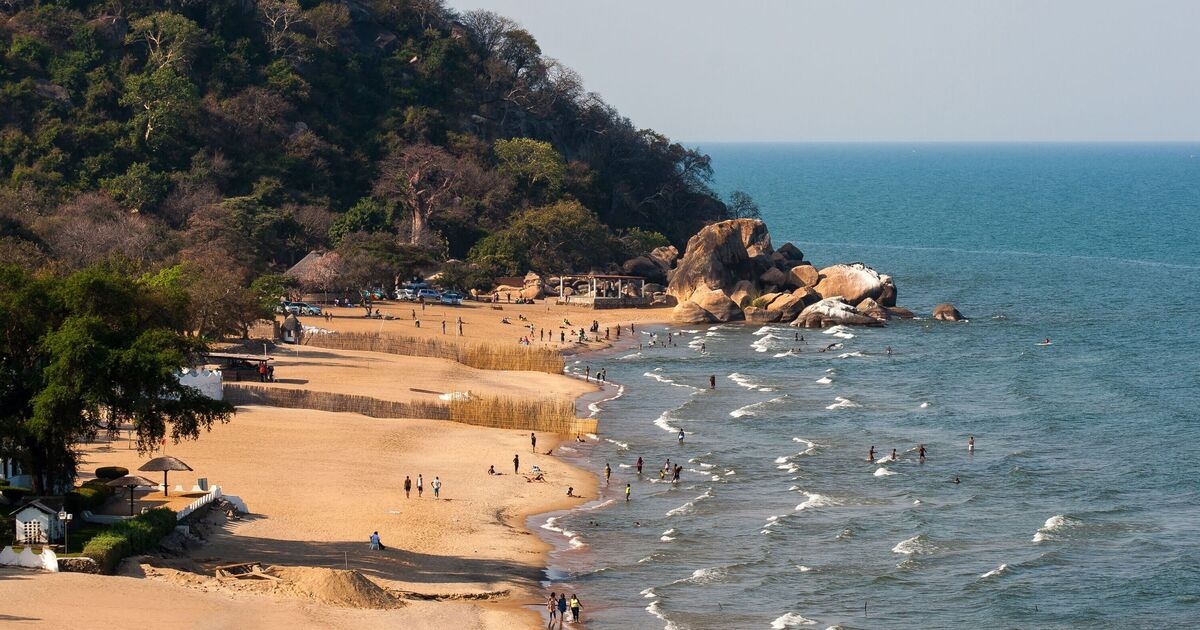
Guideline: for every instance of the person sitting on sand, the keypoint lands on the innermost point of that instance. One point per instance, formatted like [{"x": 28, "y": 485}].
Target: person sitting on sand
[
  {"x": 505, "y": 321},
  {"x": 492, "y": 469},
  {"x": 570, "y": 491}
]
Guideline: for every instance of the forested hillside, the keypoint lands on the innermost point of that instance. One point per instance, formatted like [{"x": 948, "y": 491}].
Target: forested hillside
[{"x": 222, "y": 140}]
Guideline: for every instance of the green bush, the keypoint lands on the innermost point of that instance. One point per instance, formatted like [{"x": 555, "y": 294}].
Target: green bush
[
  {"x": 759, "y": 302},
  {"x": 107, "y": 549},
  {"x": 89, "y": 496},
  {"x": 108, "y": 473},
  {"x": 136, "y": 535},
  {"x": 15, "y": 495}
]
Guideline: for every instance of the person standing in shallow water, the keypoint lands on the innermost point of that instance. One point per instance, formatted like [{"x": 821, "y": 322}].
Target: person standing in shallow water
[
  {"x": 607, "y": 472},
  {"x": 971, "y": 444},
  {"x": 871, "y": 454},
  {"x": 628, "y": 490},
  {"x": 639, "y": 465},
  {"x": 712, "y": 381}
]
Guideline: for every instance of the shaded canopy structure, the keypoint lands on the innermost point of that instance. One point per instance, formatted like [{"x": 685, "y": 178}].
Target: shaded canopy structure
[
  {"x": 131, "y": 482},
  {"x": 165, "y": 464}
]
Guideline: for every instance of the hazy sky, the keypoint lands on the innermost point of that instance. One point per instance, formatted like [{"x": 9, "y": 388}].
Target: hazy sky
[{"x": 937, "y": 70}]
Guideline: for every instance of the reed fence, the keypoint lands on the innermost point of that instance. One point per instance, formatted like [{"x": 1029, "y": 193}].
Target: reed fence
[
  {"x": 239, "y": 394},
  {"x": 502, "y": 412},
  {"x": 479, "y": 355}
]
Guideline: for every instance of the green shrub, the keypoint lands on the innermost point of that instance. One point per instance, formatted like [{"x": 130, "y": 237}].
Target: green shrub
[
  {"x": 759, "y": 302},
  {"x": 89, "y": 496},
  {"x": 107, "y": 549},
  {"x": 15, "y": 495},
  {"x": 136, "y": 535},
  {"x": 108, "y": 473}
]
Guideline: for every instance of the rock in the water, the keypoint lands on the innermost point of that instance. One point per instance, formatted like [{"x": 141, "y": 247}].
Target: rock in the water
[
  {"x": 761, "y": 315},
  {"x": 947, "y": 312},
  {"x": 887, "y": 296},
  {"x": 789, "y": 305},
  {"x": 720, "y": 255},
  {"x": 832, "y": 312},
  {"x": 872, "y": 309},
  {"x": 854, "y": 283},
  {"x": 899, "y": 312},
  {"x": 742, "y": 293},
  {"x": 690, "y": 313},
  {"x": 718, "y": 305},
  {"x": 802, "y": 276},
  {"x": 790, "y": 252}
]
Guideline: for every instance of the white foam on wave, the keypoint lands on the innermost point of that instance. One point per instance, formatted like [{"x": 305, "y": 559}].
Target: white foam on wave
[
  {"x": 653, "y": 609},
  {"x": 687, "y": 508},
  {"x": 841, "y": 332},
  {"x": 847, "y": 355},
  {"x": 917, "y": 545},
  {"x": 635, "y": 355},
  {"x": 791, "y": 620},
  {"x": 925, "y": 405},
  {"x": 567, "y": 449},
  {"x": 623, "y": 465},
  {"x": 648, "y": 593},
  {"x": 668, "y": 535},
  {"x": 592, "y": 436},
  {"x": 824, "y": 380},
  {"x": 662, "y": 379},
  {"x": 704, "y": 576},
  {"x": 811, "y": 446},
  {"x": 816, "y": 501},
  {"x": 753, "y": 408},
  {"x": 1050, "y": 527},
  {"x": 803, "y": 569},
  {"x": 1000, "y": 570},
  {"x": 661, "y": 422},
  {"x": 789, "y": 353},
  {"x": 883, "y": 472},
  {"x": 621, "y": 445},
  {"x": 843, "y": 403},
  {"x": 765, "y": 330},
  {"x": 690, "y": 332},
  {"x": 782, "y": 459},
  {"x": 743, "y": 381}
]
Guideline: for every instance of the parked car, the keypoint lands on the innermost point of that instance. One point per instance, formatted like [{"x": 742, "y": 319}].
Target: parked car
[
  {"x": 428, "y": 294},
  {"x": 301, "y": 308},
  {"x": 406, "y": 294},
  {"x": 450, "y": 297}
]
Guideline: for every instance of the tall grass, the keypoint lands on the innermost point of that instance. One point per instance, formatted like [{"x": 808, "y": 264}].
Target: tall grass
[
  {"x": 238, "y": 394},
  {"x": 480, "y": 355},
  {"x": 553, "y": 415}
]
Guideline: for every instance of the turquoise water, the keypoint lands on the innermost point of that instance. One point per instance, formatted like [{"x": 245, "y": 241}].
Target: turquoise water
[{"x": 1080, "y": 506}]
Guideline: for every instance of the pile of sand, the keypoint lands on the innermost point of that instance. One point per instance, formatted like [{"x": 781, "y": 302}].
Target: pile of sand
[{"x": 337, "y": 587}]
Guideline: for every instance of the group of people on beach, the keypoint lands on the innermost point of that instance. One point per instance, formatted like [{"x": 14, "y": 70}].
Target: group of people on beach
[
  {"x": 408, "y": 486},
  {"x": 558, "y": 605},
  {"x": 921, "y": 453}
]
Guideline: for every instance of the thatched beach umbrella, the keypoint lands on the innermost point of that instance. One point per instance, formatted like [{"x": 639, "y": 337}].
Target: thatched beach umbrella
[
  {"x": 131, "y": 482},
  {"x": 165, "y": 463}
]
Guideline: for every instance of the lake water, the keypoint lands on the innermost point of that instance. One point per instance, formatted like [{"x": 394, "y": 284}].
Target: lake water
[{"x": 1080, "y": 506}]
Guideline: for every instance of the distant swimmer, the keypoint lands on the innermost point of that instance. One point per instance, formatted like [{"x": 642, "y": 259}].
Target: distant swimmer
[
  {"x": 1045, "y": 342},
  {"x": 922, "y": 452},
  {"x": 971, "y": 444},
  {"x": 871, "y": 454},
  {"x": 893, "y": 454},
  {"x": 956, "y": 480},
  {"x": 829, "y": 347},
  {"x": 712, "y": 381},
  {"x": 681, "y": 435},
  {"x": 888, "y": 350}
]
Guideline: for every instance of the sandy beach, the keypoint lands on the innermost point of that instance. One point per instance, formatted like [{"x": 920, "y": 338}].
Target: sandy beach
[{"x": 317, "y": 484}]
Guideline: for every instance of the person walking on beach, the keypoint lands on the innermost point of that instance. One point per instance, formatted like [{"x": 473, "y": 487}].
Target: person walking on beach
[
  {"x": 437, "y": 487},
  {"x": 628, "y": 490},
  {"x": 407, "y": 486},
  {"x": 607, "y": 472},
  {"x": 420, "y": 485},
  {"x": 552, "y": 606},
  {"x": 516, "y": 464},
  {"x": 587, "y": 373},
  {"x": 639, "y": 465},
  {"x": 575, "y": 607},
  {"x": 562, "y": 609},
  {"x": 971, "y": 444},
  {"x": 532, "y": 443}
]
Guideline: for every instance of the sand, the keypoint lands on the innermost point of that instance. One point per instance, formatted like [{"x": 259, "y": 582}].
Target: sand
[{"x": 317, "y": 484}]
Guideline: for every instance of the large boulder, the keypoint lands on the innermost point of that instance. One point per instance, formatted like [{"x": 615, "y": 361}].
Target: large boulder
[
  {"x": 803, "y": 275},
  {"x": 665, "y": 256},
  {"x": 761, "y": 315},
  {"x": 720, "y": 255},
  {"x": 899, "y": 312},
  {"x": 789, "y": 305},
  {"x": 773, "y": 277},
  {"x": 742, "y": 293},
  {"x": 854, "y": 283},
  {"x": 645, "y": 267},
  {"x": 718, "y": 305},
  {"x": 947, "y": 312},
  {"x": 887, "y": 296},
  {"x": 790, "y": 252},
  {"x": 690, "y": 313},
  {"x": 872, "y": 309},
  {"x": 832, "y": 312}
]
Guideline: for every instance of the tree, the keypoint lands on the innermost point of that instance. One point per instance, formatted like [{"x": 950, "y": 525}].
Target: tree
[
  {"x": 536, "y": 167},
  {"x": 163, "y": 101},
  {"x": 95, "y": 351},
  {"x": 421, "y": 177},
  {"x": 367, "y": 215},
  {"x": 561, "y": 237},
  {"x": 742, "y": 206},
  {"x": 171, "y": 39}
]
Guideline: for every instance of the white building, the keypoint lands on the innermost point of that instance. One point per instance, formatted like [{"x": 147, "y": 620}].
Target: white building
[{"x": 37, "y": 521}]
